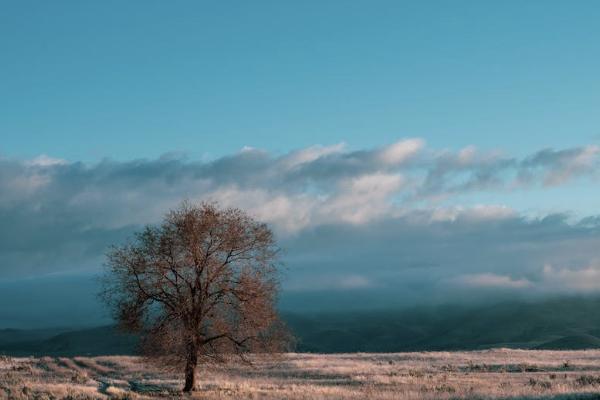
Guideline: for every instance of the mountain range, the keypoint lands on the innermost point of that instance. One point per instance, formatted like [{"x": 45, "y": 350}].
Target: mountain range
[{"x": 561, "y": 323}]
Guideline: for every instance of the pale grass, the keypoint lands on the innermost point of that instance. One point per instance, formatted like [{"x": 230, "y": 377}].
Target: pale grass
[
  {"x": 490, "y": 374},
  {"x": 72, "y": 365},
  {"x": 53, "y": 366},
  {"x": 93, "y": 365}
]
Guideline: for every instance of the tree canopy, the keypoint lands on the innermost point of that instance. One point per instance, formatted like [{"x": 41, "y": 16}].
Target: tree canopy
[{"x": 199, "y": 287}]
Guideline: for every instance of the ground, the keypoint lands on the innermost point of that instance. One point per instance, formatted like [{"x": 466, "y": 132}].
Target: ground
[{"x": 491, "y": 374}]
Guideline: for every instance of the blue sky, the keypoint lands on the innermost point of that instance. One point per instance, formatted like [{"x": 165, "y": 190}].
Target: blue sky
[
  {"x": 85, "y": 80},
  {"x": 464, "y": 133}
]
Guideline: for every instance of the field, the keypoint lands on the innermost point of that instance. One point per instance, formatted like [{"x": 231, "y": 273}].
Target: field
[{"x": 490, "y": 374}]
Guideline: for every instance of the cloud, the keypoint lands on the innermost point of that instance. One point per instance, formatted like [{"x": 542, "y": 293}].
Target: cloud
[
  {"x": 413, "y": 258},
  {"x": 491, "y": 280},
  {"x": 388, "y": 218},
  {"x": 45, "y": 161},
  {"x": 565, "y": 279},
  {"x": 360, "y": 199},
  {"x": 310, "y": 154},
  {"x": 401, "y": 151},
  {"x": 477, "y": 212},
  {"x": 558, "y": 167}
]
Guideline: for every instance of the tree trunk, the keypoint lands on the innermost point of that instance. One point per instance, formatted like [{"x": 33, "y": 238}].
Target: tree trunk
[{"x": 190, "y": 370}]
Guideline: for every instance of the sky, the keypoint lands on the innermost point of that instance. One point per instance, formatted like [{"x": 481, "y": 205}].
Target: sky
[{"x": 402, "y": 151}]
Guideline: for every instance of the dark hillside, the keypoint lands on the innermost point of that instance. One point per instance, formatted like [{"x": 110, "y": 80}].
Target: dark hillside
[{"x": 568, "y": 323}]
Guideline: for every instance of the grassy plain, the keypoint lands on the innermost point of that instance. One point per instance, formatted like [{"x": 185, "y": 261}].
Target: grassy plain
[{"x": 489, "y": 374}]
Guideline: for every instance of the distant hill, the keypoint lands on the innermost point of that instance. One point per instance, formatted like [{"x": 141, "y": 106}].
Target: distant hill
[
  {"x": 575, "y": 342},
  {"x": 105, "y": 340},
  {"x": 8, "y": 336},
  {"x": 566, "y": 323}
]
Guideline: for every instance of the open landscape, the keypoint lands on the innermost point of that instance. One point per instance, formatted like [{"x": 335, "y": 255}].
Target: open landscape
[
  {"x": 488, "y": 374},
  {"x": 300, "y": 200}
]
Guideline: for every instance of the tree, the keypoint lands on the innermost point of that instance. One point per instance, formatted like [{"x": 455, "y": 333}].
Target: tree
[{"x": 199, "y": 287}]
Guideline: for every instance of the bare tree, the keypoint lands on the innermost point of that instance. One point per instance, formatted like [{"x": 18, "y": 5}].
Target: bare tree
[{"x": 200, "y": 287}]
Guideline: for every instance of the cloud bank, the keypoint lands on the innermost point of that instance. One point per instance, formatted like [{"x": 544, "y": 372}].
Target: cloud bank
[{"x": 388, "y": 218}]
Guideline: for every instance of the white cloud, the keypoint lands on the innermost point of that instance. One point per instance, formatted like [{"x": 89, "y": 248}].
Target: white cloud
[
  {"x": 288, "y": 214},
  {"x": 574, "y": 165},
  {"x": 585, "y": 279},
  {"x": 466, "y": 155},
  {"x": 378, "y": 213},
  {"x": 376, "y": 185},
  {"x": 361, "y": 199},
  {"x": 401, "y": 151},
  {"x": 477, "y": 212},
  {"x": 557, "y": 167},
  {"x": 248, "y": 149},
  {"x": 491, "y": 280},
  {"x": 310, "y": 154},
  {"x": 45, "y": 161},
  {"x": 491, "y": 212}
]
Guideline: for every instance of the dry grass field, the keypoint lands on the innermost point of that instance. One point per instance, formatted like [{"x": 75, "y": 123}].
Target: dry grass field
[{"x": 492, "y": 374}]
